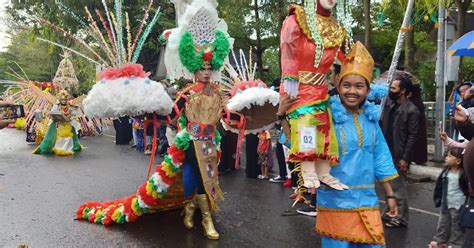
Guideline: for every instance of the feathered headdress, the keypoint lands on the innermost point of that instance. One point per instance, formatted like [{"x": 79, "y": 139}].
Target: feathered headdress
[
  {"x": 123, "y": 88},
  {"x": 201, "y": 37}
]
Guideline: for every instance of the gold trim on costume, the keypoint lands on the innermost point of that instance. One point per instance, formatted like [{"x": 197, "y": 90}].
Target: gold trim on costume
[
  {"x": 301, "y": 20},
  {"x": 203, "y": 108},
  {"x": 358, "y": 226},
  {"x": 359, "y": 130},
  {"x": 378, "y": 237},
  {"x": 389, "y": 178},
  {"x": 207, "y": 164},
  {"x": 332, "y": 34},
  {"x": 353, "y": 240},
  {"x": 307, "y": 77},
  {"x": 348, "y": 210},
  {"x": 358, "y": 61},
  {"x": 289, "y": 75}
]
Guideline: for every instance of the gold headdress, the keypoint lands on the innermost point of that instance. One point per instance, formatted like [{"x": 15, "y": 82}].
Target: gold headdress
[
  {"x": 63, "y": 95},
  {"x": 359, "y": 62}
]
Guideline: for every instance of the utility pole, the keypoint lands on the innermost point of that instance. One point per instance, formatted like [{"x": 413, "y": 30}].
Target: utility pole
[{"x": 440, "y": 87}]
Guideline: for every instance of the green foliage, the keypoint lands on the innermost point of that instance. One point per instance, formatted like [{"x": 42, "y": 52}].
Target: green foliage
[
  {"x": 244, "y": 26},
  {"x": 466, "y": 72},
  {"x": 271, "y": 59},
  {"x": 426, "y": 75},
  {"x": 32, "y": 57},
  {"x": 21, "y": 14},
  {"x": 383, "y": 43}
]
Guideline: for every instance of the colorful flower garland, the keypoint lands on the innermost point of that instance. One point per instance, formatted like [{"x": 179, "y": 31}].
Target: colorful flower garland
[{"x": 146, "y": 200}]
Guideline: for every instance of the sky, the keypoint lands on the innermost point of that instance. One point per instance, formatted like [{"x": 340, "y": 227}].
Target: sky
[{"x": 4, "y": 40}]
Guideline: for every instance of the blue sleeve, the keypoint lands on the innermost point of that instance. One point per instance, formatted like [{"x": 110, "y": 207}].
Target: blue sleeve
[{"x": 384, "y": 167}]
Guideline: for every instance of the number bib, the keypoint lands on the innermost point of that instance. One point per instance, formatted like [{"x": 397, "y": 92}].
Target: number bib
[{"x": 307, "y": 138}]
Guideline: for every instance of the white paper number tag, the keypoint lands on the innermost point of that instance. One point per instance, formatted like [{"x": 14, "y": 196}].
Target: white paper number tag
[{"x": 307, "y": 136}]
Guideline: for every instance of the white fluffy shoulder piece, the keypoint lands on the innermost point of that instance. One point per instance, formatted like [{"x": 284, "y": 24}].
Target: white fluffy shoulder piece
[
  {"x": 127, "y": 97},
  {"x": 251, "y": 97}
]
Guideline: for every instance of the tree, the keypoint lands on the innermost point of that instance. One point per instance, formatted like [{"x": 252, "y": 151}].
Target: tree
[
  {"x": 252, "y": 24},
  {"x": 33, "y": 58},
  {"x": 462, "y": 6},
  {"x": 21, "y": 13},
  {"x": 258, "y": 31},
  {"x": 367, "y": 24}
]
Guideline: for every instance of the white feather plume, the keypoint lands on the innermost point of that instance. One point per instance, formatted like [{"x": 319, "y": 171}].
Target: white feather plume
[{"x": 127, "y": 97}]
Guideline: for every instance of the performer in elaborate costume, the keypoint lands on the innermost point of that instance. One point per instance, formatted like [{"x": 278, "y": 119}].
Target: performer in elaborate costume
[
  {"x": 61, "y": 137},
  {"x": 351, "y": 218},
  {"x": 311, "y": 40},
  {"x": 196, "y": 49}
]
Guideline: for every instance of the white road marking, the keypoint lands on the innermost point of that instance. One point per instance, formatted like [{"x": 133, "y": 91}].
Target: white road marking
[
  {"x": 418, "y": 210},
  {"x": 111, "y": 136}
]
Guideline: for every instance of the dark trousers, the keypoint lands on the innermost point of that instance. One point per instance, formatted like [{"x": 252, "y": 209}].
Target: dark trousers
[
  {"x": 280, "y": 155},
  {"x": 228, "y": 148},
  {"x": 192, "y": 180},
  {"x": 448, "y": 231},
  {"x": 399, "y": 186},
  {"x": 294, "y": 175},
  {"x": 252, "y": 168},
  {"x": 123, "y": 130}
]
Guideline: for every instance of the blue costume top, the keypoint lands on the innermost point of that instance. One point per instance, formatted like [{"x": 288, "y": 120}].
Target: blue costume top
[{"x": 363, "y": 157}]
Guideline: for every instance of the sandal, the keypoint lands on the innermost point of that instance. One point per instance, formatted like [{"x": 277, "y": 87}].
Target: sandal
[{"x": 394, "y": 223}]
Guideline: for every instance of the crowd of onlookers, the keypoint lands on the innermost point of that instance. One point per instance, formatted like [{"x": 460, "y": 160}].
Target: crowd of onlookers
[{"x": 403, "y": 123}]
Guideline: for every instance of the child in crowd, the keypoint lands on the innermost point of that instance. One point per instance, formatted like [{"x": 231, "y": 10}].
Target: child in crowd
[
  {"x": 137, "y": 125},
  {"x": 450, "y": 193},
  {"x": 148, "y": 135},
  {"x": 450, "y": 142},
  {"x": 264, "y": 143}
]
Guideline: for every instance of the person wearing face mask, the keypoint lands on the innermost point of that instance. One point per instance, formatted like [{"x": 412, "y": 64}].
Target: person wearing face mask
[{"x": 400, "y": 125}]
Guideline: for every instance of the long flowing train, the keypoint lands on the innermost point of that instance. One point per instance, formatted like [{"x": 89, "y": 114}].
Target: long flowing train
[{"x": 162, "y": 191}]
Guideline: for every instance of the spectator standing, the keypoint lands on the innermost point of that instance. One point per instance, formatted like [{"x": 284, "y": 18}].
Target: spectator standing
[
  {"x": 466, "y": 127},
  {"x": 251, "y": 168},
  {"x": 264, "y": 143},
  {"x": 420, "y": 154},
  {"x": 281, "y": 159},
  {"x": 450, "y": 192},
  {"x": 400, "y": 125},
  {"x": 123, "y": 130}
]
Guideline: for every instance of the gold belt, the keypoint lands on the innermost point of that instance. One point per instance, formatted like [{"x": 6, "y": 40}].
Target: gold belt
[{"x": 306, "y": 77}]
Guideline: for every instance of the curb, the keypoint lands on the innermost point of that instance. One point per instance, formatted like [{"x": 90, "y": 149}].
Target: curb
[{"x": 424, "y": 170}]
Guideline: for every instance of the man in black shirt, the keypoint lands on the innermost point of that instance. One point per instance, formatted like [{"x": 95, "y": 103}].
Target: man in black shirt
[{"x": 400, "y": 127}]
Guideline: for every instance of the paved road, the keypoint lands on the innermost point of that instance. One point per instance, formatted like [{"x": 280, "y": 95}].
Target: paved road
[{"x": 39, "y": 195}]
